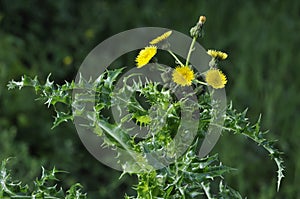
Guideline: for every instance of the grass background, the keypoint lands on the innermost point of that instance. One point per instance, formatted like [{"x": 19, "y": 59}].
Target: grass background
[{"x": 261, "y": 38}]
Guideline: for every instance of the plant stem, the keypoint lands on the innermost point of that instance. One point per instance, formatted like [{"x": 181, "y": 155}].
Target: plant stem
[
  {"x": 175, "y": 57},
  {"x": 200, "y": 82},
  {"x": 190, "y": 51},
  {"x": 206, "y": 191}
]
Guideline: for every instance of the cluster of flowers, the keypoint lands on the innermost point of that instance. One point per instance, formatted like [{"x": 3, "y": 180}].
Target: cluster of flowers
[{"x": 184, "y": 75}]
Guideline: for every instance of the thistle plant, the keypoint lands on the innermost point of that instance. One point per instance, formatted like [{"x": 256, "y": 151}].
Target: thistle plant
[
  {"x": 43, "y": 187},
  {"x": 166, "y": 159}
]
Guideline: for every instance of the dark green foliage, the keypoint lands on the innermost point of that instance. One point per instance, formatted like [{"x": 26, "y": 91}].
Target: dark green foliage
[{"x": 43, "y": 187}]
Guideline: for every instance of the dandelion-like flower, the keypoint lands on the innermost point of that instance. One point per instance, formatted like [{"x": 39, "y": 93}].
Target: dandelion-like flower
[
  {"x": 183, "y": 75},
  {"x": 161, "y": 37},
  {"x": 217, "y": 54},
  {"x": 145, "y": 56},
  {"x": 215, "y": 78}
]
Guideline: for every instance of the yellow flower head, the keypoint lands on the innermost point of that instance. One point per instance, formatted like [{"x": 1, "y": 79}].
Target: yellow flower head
[
  {"x": 161, "y": 37},
  {"x": 202, "y": 19},
  {"x": 183, "y": 75},
  {"x": 145, "y": 56},
  {"x": 217, "y": 54},
  {"x": 215, "y": 78}
]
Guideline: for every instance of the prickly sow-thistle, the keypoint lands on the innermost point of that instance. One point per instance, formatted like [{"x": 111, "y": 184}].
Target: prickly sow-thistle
[{"x": 189, "y": 176}]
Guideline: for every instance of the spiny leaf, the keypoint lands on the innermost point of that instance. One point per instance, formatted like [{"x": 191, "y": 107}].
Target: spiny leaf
[
  {"x": 61, "y": 117},
  {"x": 239, "y": 124},
  {"x": 44, "y": 187}
]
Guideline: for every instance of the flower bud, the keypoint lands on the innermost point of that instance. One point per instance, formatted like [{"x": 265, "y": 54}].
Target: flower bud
[
  {"x": 202, "y": 19},
  {"x": 197, "y": 30}
]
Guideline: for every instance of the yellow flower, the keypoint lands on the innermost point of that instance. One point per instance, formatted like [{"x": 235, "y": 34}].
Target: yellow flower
[
  {"x": 215, "y": 78},
  {"x": 161, "y": 37},
  {"x": 217, "y": 54},
  {"x": 183, "y": 75},
  {"x": 202, "y": 19},
  {"x": 145, "y": 56}
]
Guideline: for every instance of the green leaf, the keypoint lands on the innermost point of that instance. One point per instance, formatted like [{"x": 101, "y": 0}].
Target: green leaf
[
  {"x": 238, "y": 123},
  {"x": 44, "y": 187}
]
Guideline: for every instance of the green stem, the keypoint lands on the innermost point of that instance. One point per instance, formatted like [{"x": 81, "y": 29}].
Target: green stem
[
  {"x": 190, "y": 51},
  {"x": 175, "y": 57},
  {"x": 200, "y": 82},
  {"x": 206, "y": 191}
]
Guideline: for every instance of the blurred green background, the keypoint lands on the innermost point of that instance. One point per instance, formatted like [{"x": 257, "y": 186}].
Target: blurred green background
[{"x": 261, "y": 38}]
